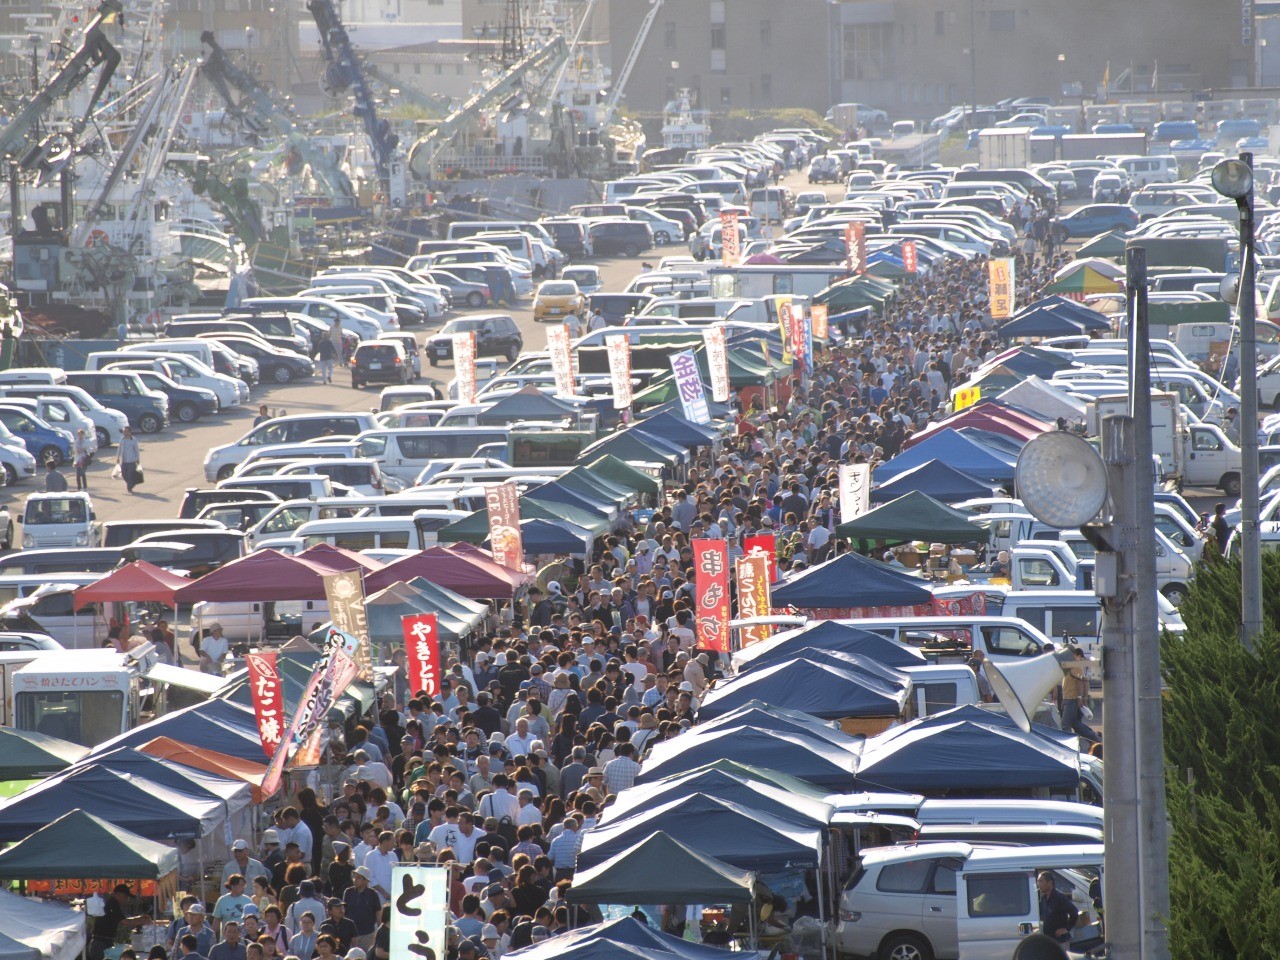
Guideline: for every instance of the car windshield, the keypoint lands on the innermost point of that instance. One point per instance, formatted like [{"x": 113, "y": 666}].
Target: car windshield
[
  {"x": 461, "y": 325},
  {"x": 558, "y": 289}
]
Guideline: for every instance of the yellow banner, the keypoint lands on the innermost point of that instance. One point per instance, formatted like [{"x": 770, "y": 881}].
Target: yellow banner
[
  {"x": 965, "y": 397},
  {"x": 1001, "y": 288},
  {"x": 783, "y": 305}
]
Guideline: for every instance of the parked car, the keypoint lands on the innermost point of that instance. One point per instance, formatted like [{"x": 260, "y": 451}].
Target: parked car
[
  {"x": 610, "y": 238},
  {"x": 556, "y": 299},
  {"x": 824, "y": 170},
  {"x": 1096, "y": 218},
  {"x": 496, "y": 336},
  {"x": 585, "y": 276},
  {"x": 380, "y": 361}
]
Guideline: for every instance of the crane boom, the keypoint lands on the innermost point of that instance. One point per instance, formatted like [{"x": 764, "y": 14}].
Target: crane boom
[{"x": 633, "y": 57}]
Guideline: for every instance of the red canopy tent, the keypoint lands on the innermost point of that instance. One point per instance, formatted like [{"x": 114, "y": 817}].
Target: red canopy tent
[
  {"x": 264, "y": 575},
  {"x": 336, "y": 558},
  {"x": 462, "y": 572},
  {"x": 139, "y": 581},
  {"x": 484, "y": 557},
  {"x": 989, "y": 417}
]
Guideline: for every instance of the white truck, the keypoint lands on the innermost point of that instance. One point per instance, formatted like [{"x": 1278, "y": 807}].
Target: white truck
[{"x": 1191, "y": 454}]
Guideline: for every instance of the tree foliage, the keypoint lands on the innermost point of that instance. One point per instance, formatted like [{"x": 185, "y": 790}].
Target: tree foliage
[{"x": 1222, "y": 749}]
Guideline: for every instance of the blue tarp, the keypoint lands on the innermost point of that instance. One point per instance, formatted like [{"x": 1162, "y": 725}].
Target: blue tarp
[
  {"x": 624, "y": 933},
  {"x": 722, "y": 785},
  {"x": 775, "y": 719},
  {"x": 1053, "y": 317},
  {"x": 939, "y": 480},
  {"x": 824, "y": 688},
  {"x": 823, "y": 764},
  {"x": 969, "y": 750},
  {"x": 835, "y": 637},
  {"x": 850, "y": 580},
  {"x": 543, "y": 536},
  {"x": 214, "y": 725},
  {"x": 1001, "y": 443},
  {"x": 740, "y": 836},
  {"x": 673, "y": 429},
  {"x": 183, "y": 780},
  {"x": 950, "y": 447}
]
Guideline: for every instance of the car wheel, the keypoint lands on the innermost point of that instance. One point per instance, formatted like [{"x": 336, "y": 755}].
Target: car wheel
[
  {"x": 281, "y": 373},
  {"x": 1175, "y": 593},
  {"x": 104, "y": 438},
  {"x": 631, "y": 250},
  {"x": 904, "y": 946},
  {"x": 433, "y": 361},
  {"x": 475, "y": 299},
  {"x": 186, "y": 412},
  {"x": 1231, "y": 485},
  {"x": 49, "y": 452},
  {"x": 355, "y": 384},
  {"x": 150, "y": 423},
  {"x": 225, "y": 472},
  {"x": 513, "y": 351},
  {"x": 662, "y": 237},
  {"x": 10, "y": 475}
]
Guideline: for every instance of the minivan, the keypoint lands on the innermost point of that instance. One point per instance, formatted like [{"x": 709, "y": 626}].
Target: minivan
[
  {"x": 121, "y": 533},
  {"x": 773, "y": 204},
  {"x": 60, "y": 560},
  {"x": 415, "y": 532},
  {"x": 220, "y": 462},
  {"x": 288, "y": 516},
  {"x": 403, "y": 453},
  {"x": 627, "y": 238},
  {"x": 1153, "y": 169},
  {"x": 49, "y": 375},
  {"x": 145, "y": 409},
  {"x": 108, "y": 423},
  {"x": 195, "y": 499},
  {"x": 64, "y": 519}
]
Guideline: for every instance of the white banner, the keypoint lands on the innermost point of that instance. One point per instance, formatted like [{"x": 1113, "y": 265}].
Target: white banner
[
  {"x": 620, "y": 370},
  {"x": 718, "y": 361},
  {"x": 693, "y": 398},
  {"x": 419, "y": 911},
  {"x": 730, "y": 239},
  {"x": 855, "y": 490},
  {"x": 561, "y": 358},
  {"x": 464, "y": 365}
]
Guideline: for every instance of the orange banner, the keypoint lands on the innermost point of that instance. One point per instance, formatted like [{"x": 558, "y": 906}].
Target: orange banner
[
  {"x": 818, "y": 316},
  {"x": 505, "y": 539},
  {"x": 753, "y": 595},
  {"x": 1001, "y": 280}
]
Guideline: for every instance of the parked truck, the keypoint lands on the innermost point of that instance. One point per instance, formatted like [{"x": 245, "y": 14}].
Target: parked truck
[{"x": 1003, "y": 148}]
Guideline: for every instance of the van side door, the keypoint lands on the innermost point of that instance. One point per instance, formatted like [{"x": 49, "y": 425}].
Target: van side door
[{"x": 994, "y": 911}]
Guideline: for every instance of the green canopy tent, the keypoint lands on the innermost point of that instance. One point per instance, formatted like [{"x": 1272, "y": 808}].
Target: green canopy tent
[
  {"x": 851, "y": 293},
  {"x": 661, "y": 869},
  {"x": 594, "y": 485},
  {"x": 916, "y": 516},
  {"x": 27, "y": 755},
  {"x": 632, "y": 445},
  {"x": 1109, "y": 246},
  {"x": 80, "y": 846},
  {"x": 475, "y": 528},
  {"x": 623, "y": 474}
]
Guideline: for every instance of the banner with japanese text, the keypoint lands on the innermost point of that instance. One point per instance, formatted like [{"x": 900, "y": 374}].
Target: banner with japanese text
[
  {"x": 753, "y": 595},
  {"x": 268, "y": 699},
  {"x": 855, "y": 239},
  {"x": 855, "y": 490},
  {"x": 718, "y": 362},
  {"x": 763, "y": 545},
  {"x": 561, "y": 358},
  {"x": 419, "y": 912},
  {"x": 818, "y": 316},
  {"x": 730, "y": 239},
  {"x": 422, "y": 647},
  {"x": 965, "y": 397},
  {"x": 1001, "y": 287},
  {"x": 502, "y": 501},
  {"x": 711, "y": 594},
  {"x": 784, "y": 326},
  {"x": 798, "y": 334},
  {"x": 345, "y": 593},
  {"x": 910, "y": 256},
  {"x": 619, "y": 350},
  {"x": 464, "y": 365},
  {"x": 693, "y": 398}
]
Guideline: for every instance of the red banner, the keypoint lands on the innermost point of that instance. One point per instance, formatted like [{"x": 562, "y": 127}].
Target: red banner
[
  {"x": 855, "y": 239},
  {"x": 711, "y": 593},
  {"x": 763, "y": 545},
  {"x": 505, "y": 540},
  {"x": 422, "y": 646},
  {"x": 268, "y": 699},
  {"x": 753, "y": 595},
  {"x": 909, "y": 261}
]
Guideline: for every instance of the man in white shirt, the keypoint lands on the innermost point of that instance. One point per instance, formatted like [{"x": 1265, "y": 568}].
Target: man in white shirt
[
  {"x": 292, "y": 828},
  {"x": 379, "y": 861},
  {"x": 520, "y": 742},
  {"x": 529, "y": 812},
  {"x": 464, "y": 844},
  {"x": 502, "y": 803}
]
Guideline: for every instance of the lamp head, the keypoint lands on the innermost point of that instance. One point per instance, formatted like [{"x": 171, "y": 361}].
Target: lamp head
[
  {"x": 1061, "y": 479},
  {"x": 1232, "y": 178}
]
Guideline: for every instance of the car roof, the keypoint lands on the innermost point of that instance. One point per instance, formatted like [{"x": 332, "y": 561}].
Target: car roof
[{"x": 876, "y": 856}]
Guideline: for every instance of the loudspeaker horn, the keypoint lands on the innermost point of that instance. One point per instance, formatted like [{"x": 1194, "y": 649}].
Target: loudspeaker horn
[{"x": 1022, "y": 685}]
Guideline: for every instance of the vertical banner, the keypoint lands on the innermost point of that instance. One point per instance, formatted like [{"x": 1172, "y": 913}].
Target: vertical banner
[
  {"x": 505, "y": 539},
  {"x": 711, "y": 592},
  {"x": 855, "y": 240},
  {"x": 763, "y": 545},
  {"x": 693, "y": 399},
  {"x": 718, "y": 361},
  {"x": 619, "y": 350},
  {"x": 910, "y": 260},
  {"x": 1001, "y": 280},
  {"x": 419, "y": 911},
  {"x": 784, "y": 325},
  {"x": 422, "y": 649},
  {"x": 855, "y": 490},
  {"x": 345, "y": 593},
  {"x": 796, "y": 334},
  {"x": 753, "y": 595},
  {"x": 730, "y": 239},
  {"x": 268, "y": 699},
  {"x": 818, "y": 320},
  {"x": 561, "y": 358},
  {"x": 464, "y": 365}
]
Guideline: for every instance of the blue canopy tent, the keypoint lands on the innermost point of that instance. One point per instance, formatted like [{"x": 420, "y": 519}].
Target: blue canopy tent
[
  {"x": 850, "y": 580},
  {"x": 543, "y": 536},
  {"x": 939, "y": 480},
  {"x": 146, "y": 808},
  {"x": 833, "y": 636},
  {"x": 628, "y": 938},
  {"x": 211, "y": 725},
  {"x": 1053, "y": 735},
  {"x": 634, "y": 445},
  {"x": 660, "y": 869},
  {"x": 740, "y": 836},
  {"x": 776, "y": 719},
  {"x": 1046, "y": 318},
  {"x": 999, "y": 442},
  {"x": 234, "y": 795},
  {"x": 965, "y": 753},
  {"x": 963, "y": 453},
  {"x": 722, "y": 785},
  {"x": 555, "y": 492},
  {"x": 823, "y": 764},
  {"x": 825, "y": 689}
]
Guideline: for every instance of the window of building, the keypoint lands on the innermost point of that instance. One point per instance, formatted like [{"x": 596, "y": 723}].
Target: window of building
[
  {"x": 669, "y": 34},
  {"x": 718, "y": 61},
  {"x": 766, "y": 33},
  {"x": 718, "y": 38},
  {"x": 766, "y": 86},
  {"x": 939, "y": 24},
  {"x": 717, "y": 11},
  {"x": 726, "y": 94},
  {"x": 868, "y": 50},
  {"x": 1002, "y": 21}
]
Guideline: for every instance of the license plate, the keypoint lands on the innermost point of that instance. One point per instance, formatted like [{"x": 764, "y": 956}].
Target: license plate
[
  {"x": 442, "y": 351},
  {"x": 554, "y": 310},
  {"x": 375, "y": 366}
]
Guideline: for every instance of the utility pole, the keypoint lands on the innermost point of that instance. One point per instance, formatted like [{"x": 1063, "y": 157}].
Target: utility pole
[
  {"x": 1153, "y": 836},
  {"x": 1250, "y": 545}
]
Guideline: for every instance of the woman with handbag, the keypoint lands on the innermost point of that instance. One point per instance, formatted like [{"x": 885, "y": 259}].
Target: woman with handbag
[{"x": 128, "y": 459}]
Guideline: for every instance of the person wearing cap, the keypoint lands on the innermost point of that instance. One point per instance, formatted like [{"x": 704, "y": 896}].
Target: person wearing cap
[
  {"x": 338, "y": 925},
  {"x": 214, "y": 648},
  {"x": 106, "y": 927},
  {"x": 230, "y": 905},
  {"x": 243, "y": 864},
  {"x": 495, "y": 899},
  {"x": 198, "y": 927},
  {"x": 363, "y": 904},
  {"x": 695, "y": 672}
]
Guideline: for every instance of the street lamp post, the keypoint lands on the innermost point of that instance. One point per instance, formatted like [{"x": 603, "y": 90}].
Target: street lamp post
[
  {"x": 973, "y": 60},
  {"x": 1233, "y": 178},
  {"x": 1062, "y": 83}
]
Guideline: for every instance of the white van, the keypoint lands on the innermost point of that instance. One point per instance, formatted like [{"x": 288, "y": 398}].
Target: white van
[
  {"x": 200, "y": 349},
  {"x": 953, "y": 639},
  {"x": 49, "y": 600},
  {"x": 416, "y": 532},
  {"x": 50, "y": 375},
  {"x": 286, "y": 517},
  {"x": 403, "y": 453},
  {"x": 1159, "y": 168},
  {"x": 58, "y": 520}
]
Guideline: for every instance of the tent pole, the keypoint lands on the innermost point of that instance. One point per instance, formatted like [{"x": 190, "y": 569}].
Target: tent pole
[{"x": 822, "y": 903}]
